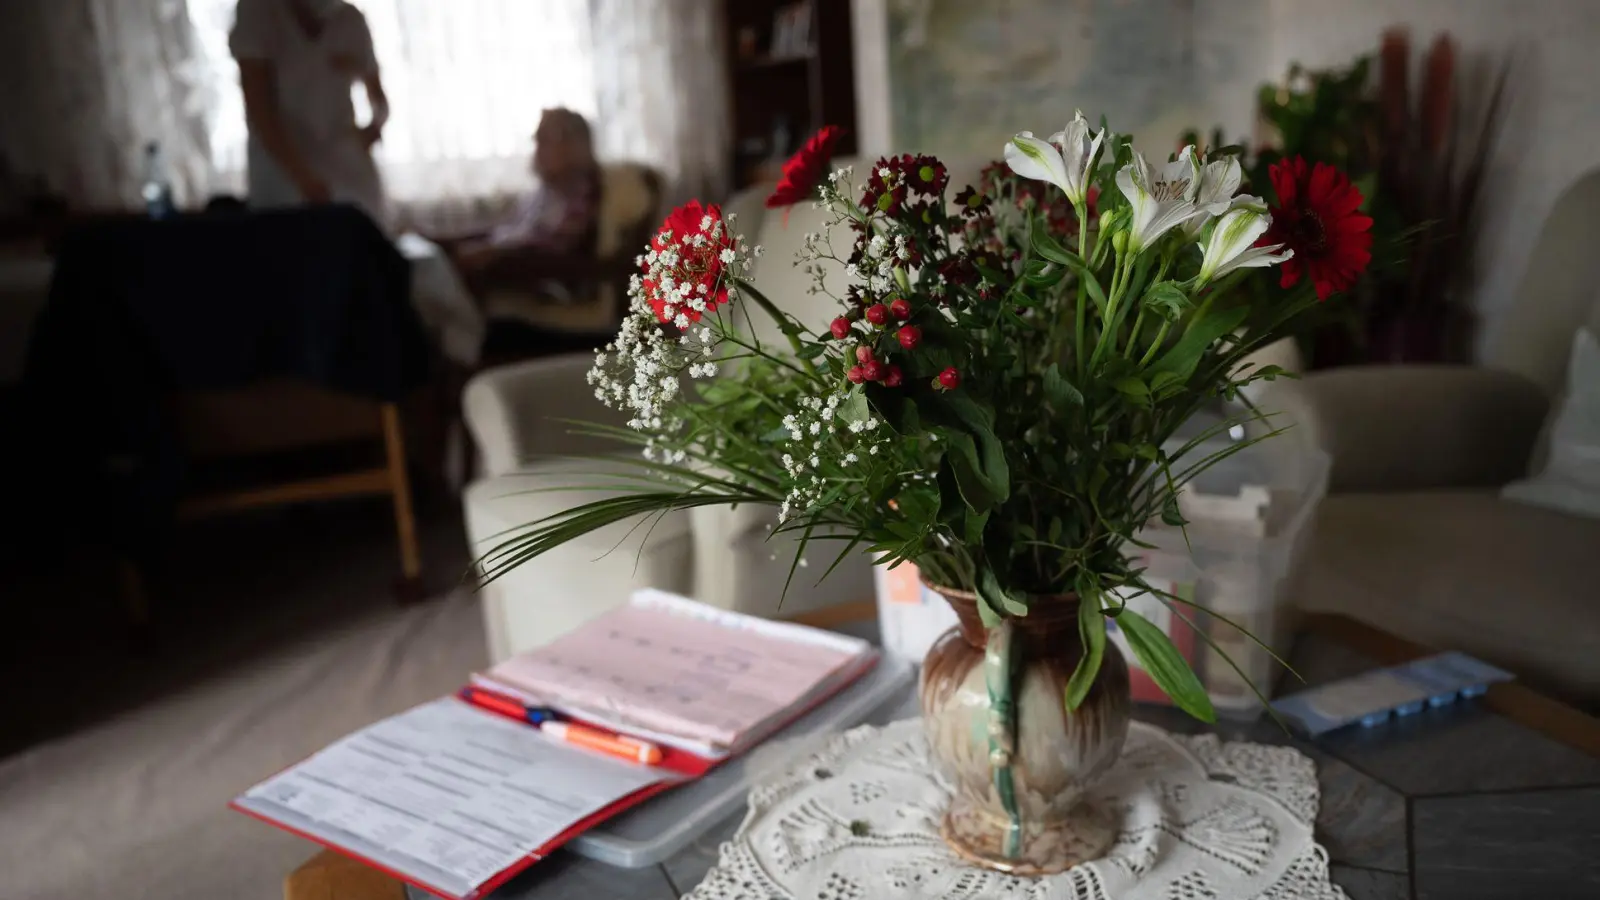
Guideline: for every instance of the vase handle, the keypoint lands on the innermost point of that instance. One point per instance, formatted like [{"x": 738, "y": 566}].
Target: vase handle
[{"x": 999, "y": 675}]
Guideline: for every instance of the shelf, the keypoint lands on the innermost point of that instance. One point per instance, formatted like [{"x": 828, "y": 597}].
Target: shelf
[{"x": 775, "y": 62}]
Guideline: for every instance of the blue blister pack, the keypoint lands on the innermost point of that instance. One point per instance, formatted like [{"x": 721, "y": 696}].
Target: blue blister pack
[{"x": 1371, "y": 698}]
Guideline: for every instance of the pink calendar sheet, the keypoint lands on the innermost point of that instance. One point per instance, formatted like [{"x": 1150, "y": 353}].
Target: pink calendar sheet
[{"x": 683, "y": 668}]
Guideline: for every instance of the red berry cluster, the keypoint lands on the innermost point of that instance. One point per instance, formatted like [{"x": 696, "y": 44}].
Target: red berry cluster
[{"x": 869, "y": 368}]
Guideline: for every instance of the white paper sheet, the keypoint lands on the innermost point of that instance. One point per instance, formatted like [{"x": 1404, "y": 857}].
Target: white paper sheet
[
  {"x": 669, "y": 664},
  {"x": 446, "y": 789}
]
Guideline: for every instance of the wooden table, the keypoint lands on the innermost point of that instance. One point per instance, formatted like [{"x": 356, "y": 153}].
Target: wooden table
[{"x": 1497, "y": 798}]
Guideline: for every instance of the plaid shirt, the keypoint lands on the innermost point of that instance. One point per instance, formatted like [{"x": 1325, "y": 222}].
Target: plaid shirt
[{"x": 550, "y": 218}]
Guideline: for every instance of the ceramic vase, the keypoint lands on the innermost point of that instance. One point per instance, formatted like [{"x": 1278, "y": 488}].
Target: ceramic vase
[{"x": 1019, "y": 762}]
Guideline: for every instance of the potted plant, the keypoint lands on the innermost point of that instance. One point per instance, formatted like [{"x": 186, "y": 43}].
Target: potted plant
[{"x": 991, "y": 403}]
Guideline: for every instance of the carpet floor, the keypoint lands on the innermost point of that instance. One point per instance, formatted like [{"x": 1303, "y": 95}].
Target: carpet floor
[{"x": 278, "y": 634}]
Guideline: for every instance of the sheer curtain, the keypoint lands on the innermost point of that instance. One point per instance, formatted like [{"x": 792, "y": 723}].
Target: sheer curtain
[
  {"x": 661, "y": 89},
  {"x": 85, "y": 84},
  {"x": 468, "y": 79}
]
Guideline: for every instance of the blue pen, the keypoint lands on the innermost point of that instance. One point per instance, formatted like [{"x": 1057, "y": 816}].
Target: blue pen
[{"x": 506, "y": 706}]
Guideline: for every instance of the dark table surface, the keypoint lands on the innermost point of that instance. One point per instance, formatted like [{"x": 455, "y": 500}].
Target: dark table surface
[{"x": 1454, "y": 803}]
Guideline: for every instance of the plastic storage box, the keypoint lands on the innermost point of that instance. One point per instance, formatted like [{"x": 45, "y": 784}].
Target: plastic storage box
[{"x": 1249, "y": 518}]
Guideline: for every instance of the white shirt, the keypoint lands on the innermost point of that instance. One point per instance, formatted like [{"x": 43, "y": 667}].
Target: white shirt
[{"x": 314, "y": 77}]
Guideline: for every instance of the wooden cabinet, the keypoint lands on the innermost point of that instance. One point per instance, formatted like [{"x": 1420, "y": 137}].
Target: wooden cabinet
[{"x": 791, "y": 71}]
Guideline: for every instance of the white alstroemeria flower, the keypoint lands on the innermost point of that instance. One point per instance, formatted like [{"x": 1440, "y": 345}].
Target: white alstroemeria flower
[
  {"x": 1214, "y": 192},
  {"x": 1160, "y": 203},
  {"x": 1231, "y": 245},
  {"x": 1069, "y": 168}
]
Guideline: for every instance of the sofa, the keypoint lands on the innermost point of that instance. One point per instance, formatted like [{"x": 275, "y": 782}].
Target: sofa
[
  {"x": 530, "y": 465},
  {"x": 1414, "y": 536}
]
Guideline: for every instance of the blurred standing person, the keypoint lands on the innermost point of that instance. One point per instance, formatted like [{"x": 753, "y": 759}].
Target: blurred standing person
[{"x": 298, "y": 60}]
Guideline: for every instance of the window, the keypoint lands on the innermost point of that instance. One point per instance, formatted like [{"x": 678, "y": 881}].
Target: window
[{"x": 466, "y": 81}]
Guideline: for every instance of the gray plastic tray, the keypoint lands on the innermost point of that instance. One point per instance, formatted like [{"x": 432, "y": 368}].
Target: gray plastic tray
[{"x": 663, "y": 825}]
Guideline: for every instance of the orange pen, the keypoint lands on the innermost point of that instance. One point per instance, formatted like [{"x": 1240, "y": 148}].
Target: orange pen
[{"x": 628, "y": 748}]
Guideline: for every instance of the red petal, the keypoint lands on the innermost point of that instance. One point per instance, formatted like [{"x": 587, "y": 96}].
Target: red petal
[
  {"x": 1348, "y": 225},
  {"x": 1284, "y": 180},
  {"x": 1290, "y": 272}
]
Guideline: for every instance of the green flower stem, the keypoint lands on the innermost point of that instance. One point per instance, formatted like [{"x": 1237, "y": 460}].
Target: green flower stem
[
  {"x": 1155, "y": 346},
  {"x": 1133, "y": 337},
  {"x": 1081, "y": 211},
  {"x": 785, "y": 324},
  {"x": 757, "y": 350},
  {"x": 1119, "y": 283}
]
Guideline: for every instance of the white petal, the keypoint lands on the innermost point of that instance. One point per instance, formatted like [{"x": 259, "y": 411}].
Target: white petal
[
  {"x": 1219, "y": 180},
  {"x": 1164, "y": 218},
  {"x": 1231, "y": 236},
  {"x": 1032, "y": 158},
  {"x": 1255, "y": 258}
]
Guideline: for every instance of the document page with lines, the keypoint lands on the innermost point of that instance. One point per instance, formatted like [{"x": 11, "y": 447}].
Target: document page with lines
[{"x": 445, "y": 794}]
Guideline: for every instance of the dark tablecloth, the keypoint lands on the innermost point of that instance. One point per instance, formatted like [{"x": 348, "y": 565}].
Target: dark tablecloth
[{"x": 142, "y": 308}]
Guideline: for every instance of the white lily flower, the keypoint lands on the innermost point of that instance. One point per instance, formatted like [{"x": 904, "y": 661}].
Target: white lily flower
[
  {"x": 1162, "y": 203},
  {"x": 1070, "y": 167},
  {"x": 1214, "y": 192},
  {"x": 1230, "y": 246}
]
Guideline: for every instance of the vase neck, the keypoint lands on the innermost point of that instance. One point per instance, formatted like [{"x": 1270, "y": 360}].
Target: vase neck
[{"x": 1049, "y": 620}]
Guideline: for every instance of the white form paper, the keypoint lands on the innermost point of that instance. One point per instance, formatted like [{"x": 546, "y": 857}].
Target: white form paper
[{"x": 445, "y": 793}]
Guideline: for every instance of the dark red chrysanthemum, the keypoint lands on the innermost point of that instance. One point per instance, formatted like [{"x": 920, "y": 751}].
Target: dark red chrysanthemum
[
  {"x": 886, "y": 188},
  {"x": 971, "y": 202},
  {"x": 804, "y": 170},
  {"x": 926, "y": 174},
  {"x": 1317, "y": 218},
  {"x": 683, "y": 270}
]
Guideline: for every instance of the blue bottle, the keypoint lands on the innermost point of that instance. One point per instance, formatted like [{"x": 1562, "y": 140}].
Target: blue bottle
[{"x": 157, "y": 188}]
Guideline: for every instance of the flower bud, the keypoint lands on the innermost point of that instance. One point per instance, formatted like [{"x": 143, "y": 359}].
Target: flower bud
[
  {"x": 910, "y": 336},
  {"x": 1119, "y": 242},
  {"x": 840, "y": 328},
  {"x": 878, "y": 314}
]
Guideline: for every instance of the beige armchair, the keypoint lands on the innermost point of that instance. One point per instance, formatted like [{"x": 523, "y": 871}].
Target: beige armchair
[
  {"x": 1415, "y": 537},
  {"x": 719, "y": 555}
]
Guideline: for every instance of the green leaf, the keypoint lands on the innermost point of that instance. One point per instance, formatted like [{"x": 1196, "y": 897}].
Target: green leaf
[
  {"x": 1058, "y": 391},
  {"x": 1200, "y": 335},
  {"x": 1165, "y": 665},
  {"x": 1170, "y": 513},
  {"x": 998, "y": 597},
  {"x": 1098, "y": 481},
  {"x": 974, "y": 523},
  {"x": 962, "y": 455},
  {"x": 1167, "y": 299},
  {"x": 1162, "y": 380},
  {"x": 1092, "y": 634},
  {"x": 979, "y": 421},
  {"x": 1133, "y": 387},
  {"x": 1046, "y": 246},
  {"x": 854, "y": 409},
  {"x": 990, "y": 615}
]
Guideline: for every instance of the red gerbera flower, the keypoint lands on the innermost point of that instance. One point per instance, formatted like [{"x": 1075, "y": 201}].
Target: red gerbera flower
[
  {"x": 803, "y": 172},
  {"x": 683, "y": 270},
  {"x": 1316, "y": 218}
]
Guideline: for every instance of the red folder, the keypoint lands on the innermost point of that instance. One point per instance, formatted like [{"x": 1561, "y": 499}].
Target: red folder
[{"x": 674, "y": 760}]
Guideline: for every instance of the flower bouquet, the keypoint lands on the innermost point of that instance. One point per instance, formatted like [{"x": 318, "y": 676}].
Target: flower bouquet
[{"x": 993, "y": 403}]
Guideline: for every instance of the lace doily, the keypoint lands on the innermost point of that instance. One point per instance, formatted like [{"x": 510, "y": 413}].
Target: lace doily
[{"x": 1200, "y": 819}]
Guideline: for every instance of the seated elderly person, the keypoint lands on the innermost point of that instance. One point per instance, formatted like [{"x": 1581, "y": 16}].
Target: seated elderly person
[{"x": 555, "y": 220}]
